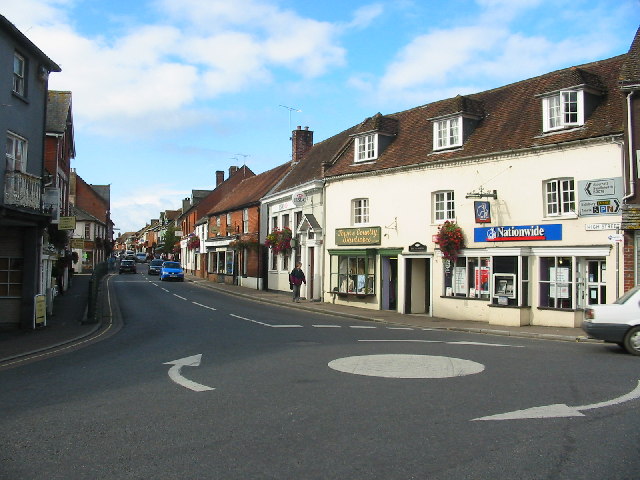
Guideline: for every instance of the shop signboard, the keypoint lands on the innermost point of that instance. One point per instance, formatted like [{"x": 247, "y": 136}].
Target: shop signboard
[
  {"x": 518, "y": 233},
  {"x": 482, "y": 211},
  {"x": 358, "y": 236}
]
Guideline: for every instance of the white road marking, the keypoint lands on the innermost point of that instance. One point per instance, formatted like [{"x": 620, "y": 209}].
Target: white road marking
[
  {"x": 399, "y": 328},
  {"x": 249, "y": 320},
  {"x": 327, "y": 326},
  {"x": 561, "y": 410},
  {"x": 406, "y": 366},
  {"x": 408, "y": 341},
  {"x": 361, "y": 326},
  {"x": 285, "y": 326},
  {"x": 203, "y": 306},
  {"x": 165, "y": 290},
  {"x": 181, "y": 298},
  {"x": 485, "y": 344},
  {"x": 174, "y": 373}
]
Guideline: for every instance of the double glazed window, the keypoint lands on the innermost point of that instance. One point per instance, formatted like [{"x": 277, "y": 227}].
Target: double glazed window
[
  {"x": 447, "y": 133},
  {"x": 366, "y": 148},
  {"x": 443, "y": 206},
  {"x": 560, "y": 197},
  {"x": 360, "y": 211},
  {"x": 562, "y": 110}
]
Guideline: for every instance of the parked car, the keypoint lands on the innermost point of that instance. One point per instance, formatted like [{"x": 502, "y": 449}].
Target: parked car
[
  {"x": 155, "y": 266},
  {"x": 127, "y": 266},
  {"x": 171, "y": 271},
  {"x": 618, "y": 322},
  {"x": 141, "y": 257}
]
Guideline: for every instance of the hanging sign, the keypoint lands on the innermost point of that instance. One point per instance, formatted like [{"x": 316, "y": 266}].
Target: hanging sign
[
  {"x": 299, "y": 199},
  {"x": 518, "y": 233},
  {"x": 482, "y": 211}
]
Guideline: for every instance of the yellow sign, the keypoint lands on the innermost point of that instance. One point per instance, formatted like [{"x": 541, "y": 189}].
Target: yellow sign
[
  {"x": 358, "y": 236},
  {"x": 40, "y": 310},
  {"x": 77, "y": 243},
  {"x": 67, "y": 223}
]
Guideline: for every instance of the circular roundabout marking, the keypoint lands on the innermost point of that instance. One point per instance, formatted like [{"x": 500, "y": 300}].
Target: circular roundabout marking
[{"x": 406, "y": 366}]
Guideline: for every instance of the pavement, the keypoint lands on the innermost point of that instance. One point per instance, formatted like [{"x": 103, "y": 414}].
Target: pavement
[{"x": 69, "y": 325}]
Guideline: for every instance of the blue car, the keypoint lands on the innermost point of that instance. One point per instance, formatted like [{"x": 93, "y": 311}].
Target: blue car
[{"x": 171, "y": 271}]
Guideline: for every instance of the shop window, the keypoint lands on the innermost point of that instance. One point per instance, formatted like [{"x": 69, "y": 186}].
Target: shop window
[
  {"x": 467, "y": 277},
  {"x": 10, "y": 277},
  {"x": 229, "y": 262},
  {"x": 505, "y": 281},
  {"x": 556, "y": 282},
  {"x": 274, "y": 261},
  {"x": 353, "y": 274}
]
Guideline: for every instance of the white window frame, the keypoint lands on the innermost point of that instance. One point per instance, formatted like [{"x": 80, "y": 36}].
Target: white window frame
[
  {"x": 228, "y": 219},
  {"x": 359, "y": 211},
  {"x": 17, "y": 148},
  {"x": 561, "y": 111},
  {"x": 366, "y": 148},
  {"x": 19, "y": 78},
  {"x": 447, "y": 133},
  {"x": 444, "y": 207},
  {"x": 245, "y": 220},
  {"x": 559, "y": 197}
]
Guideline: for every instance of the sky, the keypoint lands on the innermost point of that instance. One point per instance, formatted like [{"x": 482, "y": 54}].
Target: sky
[{"x": 167, "y": 92}]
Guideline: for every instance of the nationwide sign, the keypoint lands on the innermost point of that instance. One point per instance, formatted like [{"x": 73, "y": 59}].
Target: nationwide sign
[{"x": 518, "y": 233}]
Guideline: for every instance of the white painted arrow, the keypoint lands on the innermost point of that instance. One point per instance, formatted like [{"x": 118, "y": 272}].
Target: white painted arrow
[
  {"x": 560, "y": 409},
  {"x": 174, "y": 373}
]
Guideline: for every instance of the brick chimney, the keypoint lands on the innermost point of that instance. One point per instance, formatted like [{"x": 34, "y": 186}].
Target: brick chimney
[
  {"x": 186, "y": 204},
  {"x": 301, "y": 143},
  {"x": 232, "y": 169},
  {"x": 219, "y": 177}
]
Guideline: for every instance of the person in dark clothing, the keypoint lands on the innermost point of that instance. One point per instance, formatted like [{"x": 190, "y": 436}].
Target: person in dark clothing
[{"x": 296, "y": 279}]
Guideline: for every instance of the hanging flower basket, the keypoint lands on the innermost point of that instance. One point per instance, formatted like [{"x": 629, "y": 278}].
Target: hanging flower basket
[
  {"x": 193, "y": 243},
  {"x": 242, "y": 243},
  {"x": 450, "y": 239},
  {"x": 279, "y": 240}
]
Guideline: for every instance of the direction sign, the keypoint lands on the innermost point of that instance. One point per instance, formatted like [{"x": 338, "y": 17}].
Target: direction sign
[
  {"x": 616, "y": 237},
  {"x": 600, "y": 189},
  {"x": 604, "y": 206}
]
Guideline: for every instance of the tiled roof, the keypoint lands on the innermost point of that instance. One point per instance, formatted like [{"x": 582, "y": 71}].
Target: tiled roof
[
  {"x": 214, "y": 196},
  {"x": 630, "y": 72},
  {"x": 510, "y": 118},
  {"x": 58, "y": 111},
  {"x": 249, "y": 191}
]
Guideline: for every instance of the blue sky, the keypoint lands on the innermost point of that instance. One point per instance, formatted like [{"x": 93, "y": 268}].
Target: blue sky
[{"x": 166, "y": 92}]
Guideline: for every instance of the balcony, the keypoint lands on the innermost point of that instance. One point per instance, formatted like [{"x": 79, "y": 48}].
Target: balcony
[{"x": 22, "y": 190}]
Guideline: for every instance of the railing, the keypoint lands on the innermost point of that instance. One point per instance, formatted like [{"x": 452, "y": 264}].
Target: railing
[
  {"x": 93, "y": 310},
  {"x": 22, "y": 189}
]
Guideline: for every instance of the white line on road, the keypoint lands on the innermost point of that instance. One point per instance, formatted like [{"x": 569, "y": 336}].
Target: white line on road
[
  {"x": 174, "y": 373},
  {"x": 285, "y": 326},
  {"x": 203, "y": 306},
  {"x": 327, "y": 326},
  {"x": 482, "y": 344},
  {"x": 165, "y": 290},
  {"x": 399, "y": 328},
  {"x": 407, "y": 341},
  {"x": 249, "y": 320},
  {"x": 361, "y": 326},
  {"x": 181, "y": 298}
]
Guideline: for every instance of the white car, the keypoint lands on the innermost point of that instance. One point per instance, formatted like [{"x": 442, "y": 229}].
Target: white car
[{"x": 618, "y": 322}]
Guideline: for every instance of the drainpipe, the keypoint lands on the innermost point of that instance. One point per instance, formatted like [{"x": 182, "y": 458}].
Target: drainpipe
[{"x": 632, "y": 183}]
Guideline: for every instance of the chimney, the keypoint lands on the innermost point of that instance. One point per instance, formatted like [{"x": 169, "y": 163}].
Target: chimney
[
  {"x": 301, "y": 143},
  {"x": 219, "y": 177},
  {"x": 232, "y": 170},
  {"x": 186, "y": 204}
]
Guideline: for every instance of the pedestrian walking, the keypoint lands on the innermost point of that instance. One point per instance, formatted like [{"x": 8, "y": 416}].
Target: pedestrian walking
[{"x": 296, "y": 279}]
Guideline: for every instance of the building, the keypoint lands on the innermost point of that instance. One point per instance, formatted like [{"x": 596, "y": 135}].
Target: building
[
  {"x": 23, "y": 112},
  {"x": 531, "y": 177}
]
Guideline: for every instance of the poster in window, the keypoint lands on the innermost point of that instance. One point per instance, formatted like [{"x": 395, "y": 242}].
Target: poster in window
[
  {"x": 482, "y": 279},
  {"x": 459, "y": 283}
]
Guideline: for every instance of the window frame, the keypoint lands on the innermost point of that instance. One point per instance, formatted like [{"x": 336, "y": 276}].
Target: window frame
[
  {"x": 366, "y": 148},
  {"x": 445, "y": 134},
  {"x": 11, "y": 286},
  {"x": 19, "y": 86},
  {"x": 448, "y": 210},
  {"x": 558, "y": 113},
  {"x": 563, "y": 206},
  {"x": 16, "y": 160},
  {"x": 360, "y": 209},
  {"x": 245, "y": 220},
  {"x": 343, "y": 281}
]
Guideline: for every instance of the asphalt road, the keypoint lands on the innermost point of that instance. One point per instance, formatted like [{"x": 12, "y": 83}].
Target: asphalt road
[{"x": 200, "y": 385}]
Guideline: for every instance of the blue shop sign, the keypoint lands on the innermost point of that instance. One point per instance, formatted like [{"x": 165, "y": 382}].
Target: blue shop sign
[{"x": 518, "y": 233}]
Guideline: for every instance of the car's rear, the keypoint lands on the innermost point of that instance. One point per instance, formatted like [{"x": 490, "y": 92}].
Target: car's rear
[
  {"x": 127, "y": 266},
  {"x": 155, "y": 266}
]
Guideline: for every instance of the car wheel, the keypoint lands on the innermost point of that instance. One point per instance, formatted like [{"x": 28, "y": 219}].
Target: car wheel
[{"x": 632, "y": 341}]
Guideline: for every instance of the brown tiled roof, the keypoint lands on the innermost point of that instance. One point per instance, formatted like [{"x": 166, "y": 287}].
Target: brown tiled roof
[
  {"x": 250, "y": 191},
  {"x": 225, "y": 188},
  {"x": 630, "y": 72},
  {"x": 58, "y": 111},
  {"x": 511, "y": 120}
]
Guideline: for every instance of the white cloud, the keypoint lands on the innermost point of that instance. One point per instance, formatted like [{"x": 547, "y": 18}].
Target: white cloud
[{"x": 364, "y": 16}]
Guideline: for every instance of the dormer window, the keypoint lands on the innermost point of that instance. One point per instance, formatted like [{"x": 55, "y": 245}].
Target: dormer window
[
  {"x": 563, "y": 110},
  {"x": 366, "y": 147},
  {"x": 447, "y": 133}
]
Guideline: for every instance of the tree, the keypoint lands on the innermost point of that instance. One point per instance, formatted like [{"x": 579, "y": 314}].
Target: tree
[{"x": 169, "y": 239}]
